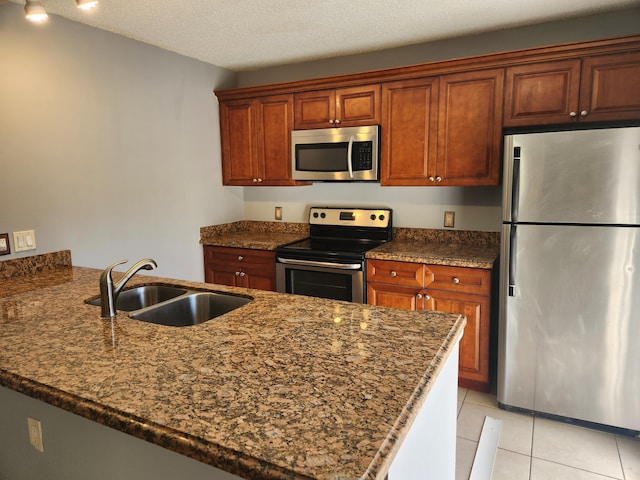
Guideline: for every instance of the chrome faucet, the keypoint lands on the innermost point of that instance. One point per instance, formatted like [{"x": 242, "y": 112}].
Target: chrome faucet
[{"x": 109, "y": 291}]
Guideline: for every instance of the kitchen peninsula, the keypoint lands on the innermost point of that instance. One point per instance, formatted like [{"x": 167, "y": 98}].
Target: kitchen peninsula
[{"x": 285, "y": 387}]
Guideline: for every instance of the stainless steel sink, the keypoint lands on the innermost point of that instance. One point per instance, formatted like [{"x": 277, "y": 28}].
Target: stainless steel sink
[
  {"x": 144, "y": 296},
  {"x": 197, "y": 307}
]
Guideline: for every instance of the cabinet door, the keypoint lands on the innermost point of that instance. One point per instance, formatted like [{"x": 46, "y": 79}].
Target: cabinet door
[
  {"x": 470, "y": 128},
  {"x": 542, "y": 93},
  {"x": 474, "y": 346},
  {"x": 386, "y": 295},
  {"x": 610, "y": 88},
  {"x": 275, "y": 122},
  {"x": 409, "y": 116},
  {"x": 314, "y": 109},
  {"x": 238, "y": 136},
  {"x": 358, "y": 106}
]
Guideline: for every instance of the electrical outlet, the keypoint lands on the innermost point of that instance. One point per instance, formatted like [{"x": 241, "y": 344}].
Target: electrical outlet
[
  {"x": 449, "y": 219},
  {"x": 35, "y": 434},
  {"x": 5, "y": 248},
  {"x": 25, "y": 240},
  {"x": 278, "y": 213}
]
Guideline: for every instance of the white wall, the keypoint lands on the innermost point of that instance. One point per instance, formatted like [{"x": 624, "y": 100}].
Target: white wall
[{"x": 108, "y": 147}]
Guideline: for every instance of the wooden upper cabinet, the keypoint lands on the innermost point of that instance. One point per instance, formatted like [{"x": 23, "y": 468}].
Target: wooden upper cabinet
[
  {"x": 470, "y": 128},
  {"x": 443, "y": 130},
  {"x": 255, "y": 137},
  {"x": 594, "y": 89},
  {"x": 542, "y": 93},
  {"x": 409, "y": 131},
  {"x": 610, "y": 87},
  {"x": 343, "y": 107}
]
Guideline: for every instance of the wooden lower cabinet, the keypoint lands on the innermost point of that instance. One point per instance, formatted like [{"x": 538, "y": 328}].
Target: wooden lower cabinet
[
  {"x": 240, "y": 267},
  {"x": 466, "y": 291}
]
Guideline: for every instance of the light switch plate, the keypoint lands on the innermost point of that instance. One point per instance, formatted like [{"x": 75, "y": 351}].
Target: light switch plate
[
  {"x": 5, "y": 248},
  {"x": 25, "y": 240}
]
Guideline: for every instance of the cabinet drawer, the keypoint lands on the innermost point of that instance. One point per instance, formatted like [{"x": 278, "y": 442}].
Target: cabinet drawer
[
  {"x": 461, "y": 279},
  {"x": 396, "y": 273},
  {"x": 238, "y": 256}
]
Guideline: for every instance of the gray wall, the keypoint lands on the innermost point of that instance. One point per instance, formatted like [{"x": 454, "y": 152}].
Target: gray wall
[{"x": 108, "y": 147}]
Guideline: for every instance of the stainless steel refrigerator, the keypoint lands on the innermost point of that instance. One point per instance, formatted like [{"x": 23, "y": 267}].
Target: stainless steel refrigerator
[{"x": 569, "y": 326}]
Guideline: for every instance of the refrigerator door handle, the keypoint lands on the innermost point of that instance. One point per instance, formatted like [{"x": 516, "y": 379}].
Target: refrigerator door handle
[
  {"x": 515, "y": 185},
  {"x": 511, "y": 282}
]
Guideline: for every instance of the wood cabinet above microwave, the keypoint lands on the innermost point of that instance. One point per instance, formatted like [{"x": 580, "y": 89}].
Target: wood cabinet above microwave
[{"x": 343, "y": 107}]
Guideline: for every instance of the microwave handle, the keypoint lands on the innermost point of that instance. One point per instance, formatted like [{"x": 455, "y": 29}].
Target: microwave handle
[{"x": 349, "y": 159}]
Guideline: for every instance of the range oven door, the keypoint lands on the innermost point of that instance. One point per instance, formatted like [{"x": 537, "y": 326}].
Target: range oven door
[{"x": 338, "y": 281}]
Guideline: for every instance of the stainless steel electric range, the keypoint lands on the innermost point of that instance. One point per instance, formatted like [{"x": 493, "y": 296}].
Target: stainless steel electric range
[{"x": 330, "y": 263}]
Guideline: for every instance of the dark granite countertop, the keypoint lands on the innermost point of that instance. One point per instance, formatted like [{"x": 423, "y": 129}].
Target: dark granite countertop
[{"x": 283, "y": 387}]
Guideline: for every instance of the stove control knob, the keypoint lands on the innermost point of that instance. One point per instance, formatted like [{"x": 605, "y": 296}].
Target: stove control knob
[
  {"x": 381, "y": 218},
  {"x": 373, "y": 216},
  {"x": 315, "y": 214},
  {"x": 323, "y": 215}
]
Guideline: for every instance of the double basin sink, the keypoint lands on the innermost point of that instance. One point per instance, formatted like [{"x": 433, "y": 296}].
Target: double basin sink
[{"x": 174, "y": 306}]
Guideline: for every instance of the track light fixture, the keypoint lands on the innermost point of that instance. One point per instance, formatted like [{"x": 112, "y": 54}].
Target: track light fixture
[{"x": 35, "y": 12}]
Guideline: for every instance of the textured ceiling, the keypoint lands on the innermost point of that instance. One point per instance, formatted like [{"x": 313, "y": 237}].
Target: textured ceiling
[{"x": 250, "y": 34}]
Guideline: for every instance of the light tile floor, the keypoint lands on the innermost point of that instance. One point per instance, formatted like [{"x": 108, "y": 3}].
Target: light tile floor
[{"x": 540, "y": 449}]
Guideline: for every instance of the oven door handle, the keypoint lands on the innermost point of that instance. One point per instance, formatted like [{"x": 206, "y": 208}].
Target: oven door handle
[{"x": 311, "y": 263}]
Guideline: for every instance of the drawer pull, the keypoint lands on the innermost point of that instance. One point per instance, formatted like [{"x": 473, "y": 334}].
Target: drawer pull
[
  {"x": 393, "y": 273},
  {"x": 456, "y": 280},
  {"x": 240, "y": 258}
]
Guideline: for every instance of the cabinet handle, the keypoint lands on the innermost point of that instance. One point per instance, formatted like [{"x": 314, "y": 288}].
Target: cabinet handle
[
  {"x": 456, "y": 280},
  {"x": 337, "y": 121},
  {"x": 419, "y": 296},
  {"x": 438, "y": 178},
  {"x": 259, "y": 180},
  {"x": 331, "y": 120},
  {"x": 572, "y": 114},
  {"x": 432, "y": 178},
  {"x": 237, "y": 274},
  {"x": 393, "y": 273},
  {"x": 584, "y": 113},
  {"x": 242, "y": 274},
  {"x": 240, "y": 258},
  {"x": 255, "y": 180},
  {"x": 427, "y": 297}
]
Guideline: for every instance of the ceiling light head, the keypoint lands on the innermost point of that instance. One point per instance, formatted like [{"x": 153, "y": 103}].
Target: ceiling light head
[
  {"x": 34, "y": 11},
  {"x": 86, "y": 4}
]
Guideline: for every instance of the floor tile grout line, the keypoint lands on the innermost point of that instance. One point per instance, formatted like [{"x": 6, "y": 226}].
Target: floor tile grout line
[{"x": 624, "y": 476}]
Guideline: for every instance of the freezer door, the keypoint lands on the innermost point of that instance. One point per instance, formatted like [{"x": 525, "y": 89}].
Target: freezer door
[
  {"x": 570, "y": 322},
  {"x": 581, "y": 176}
]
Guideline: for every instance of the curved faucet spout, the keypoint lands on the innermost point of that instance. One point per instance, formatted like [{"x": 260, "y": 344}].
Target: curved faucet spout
[{"x": 109, "y": 291}]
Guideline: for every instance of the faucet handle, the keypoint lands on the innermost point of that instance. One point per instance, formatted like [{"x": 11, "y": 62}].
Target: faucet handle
[{"x": 113, "y": 265}]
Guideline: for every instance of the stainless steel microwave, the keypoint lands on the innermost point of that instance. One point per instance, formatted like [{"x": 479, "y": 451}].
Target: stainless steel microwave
[{"x": 347, "y": 154}]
